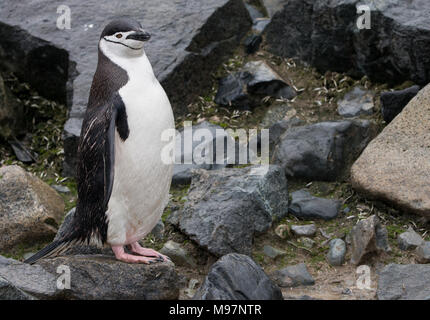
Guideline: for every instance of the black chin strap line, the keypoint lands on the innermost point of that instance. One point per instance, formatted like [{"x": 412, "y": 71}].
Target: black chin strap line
[{"x": 122, "y": 44}]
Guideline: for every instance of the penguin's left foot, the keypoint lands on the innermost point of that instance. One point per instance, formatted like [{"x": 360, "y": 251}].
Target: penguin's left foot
[{"x": 138, "y": 249}]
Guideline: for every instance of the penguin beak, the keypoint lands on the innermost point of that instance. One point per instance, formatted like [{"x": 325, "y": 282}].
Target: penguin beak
[{"x": 139, "y": 36}]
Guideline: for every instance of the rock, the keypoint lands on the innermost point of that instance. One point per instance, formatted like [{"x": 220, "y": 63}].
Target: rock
[
  {"x": 409, "y": 240},
  {"x": 21, "y": 153},
  {"x": 273, "y": 253},
  {"x": 21, "y": 281},
  {"x": 225, "y": 208},
  {"x": 246, "y": 88},
  {"x": 115, "y": 280},
  {"x": 60, "y": 64},
  {"x": 423, "y": 252},
  {"x": 307, "y": 230},
  {"x": 325, "y": 35},
  {"x": 182, "y": 170},
  {"x": 158, "y": 231},
  {"x": 305, "y": 206},
  {"x": 404, "y": 282},
  {"x": 293, "y": 276},
  {"x": 237, "y": 277},
  {"x": 178, "y": 254},
  {"x": 11, "y": 113},
  {"x": 252, "y": 43},
  {"x": 306, "y": 242},
  {"x": 368, "y": 236},
  {"x": 336, "y": 253},
  {"x": 322, "y": 151},
  {"x": 355, "y": 103},
  {"x": 60, "y": 189},
  {"x": 392, "y": 103},
  {"x": 30, "y": 210},
  {"x": 395, "y": 167}
]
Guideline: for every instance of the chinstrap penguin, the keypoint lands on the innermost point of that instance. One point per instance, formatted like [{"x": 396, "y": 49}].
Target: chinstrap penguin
[{"x": 123, "y": 184}]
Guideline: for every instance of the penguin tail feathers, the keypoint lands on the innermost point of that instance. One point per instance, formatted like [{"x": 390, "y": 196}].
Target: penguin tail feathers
[{"x": 54, "y": 249}]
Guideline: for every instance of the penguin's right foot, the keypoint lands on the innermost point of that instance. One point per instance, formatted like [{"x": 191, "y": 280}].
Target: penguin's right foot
[{"x": 121, "y": 255}]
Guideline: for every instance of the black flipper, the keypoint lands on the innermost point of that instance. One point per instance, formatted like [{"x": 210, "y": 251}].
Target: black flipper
[{"x": 95, "y": 177}]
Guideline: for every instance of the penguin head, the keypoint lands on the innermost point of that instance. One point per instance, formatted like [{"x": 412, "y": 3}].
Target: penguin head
[{"x": 124, "y": 37}]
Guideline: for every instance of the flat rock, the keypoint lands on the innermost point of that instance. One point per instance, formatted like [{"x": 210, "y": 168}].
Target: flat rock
[
  {"x": 30, "y": 210},
  {"x": 272, "y": 252},
  {"x": 404, "y": 282},
  {"x": 20, "y": 281},
  {"x": 322, "y": 151},
  {"x": 178, "y": 254},
  {"x": 423, "y": 252},
  {"x": 393, "y": 102},
  {"x": 395, "y": 166},
  {"x": 103, "y": 277},
  {"x": 368, "y": 237},
  {"x": 225, "y": 208},
  {"x": 307, "y": 230},
  {"x": 409, "y": 240},
  {"x": 357, "y": 102},
  {"x": 325, "y": 34},
  {"x": 336, "y": 253},
  {"x": 293, "y": 276},
  {"x": 245, "y": 88},
  {"x": 190, "y": 39},
  {"x": 237, "y": 277},
  {"x": 305, "y": 206},
  {"x": 186, "y": 156}
]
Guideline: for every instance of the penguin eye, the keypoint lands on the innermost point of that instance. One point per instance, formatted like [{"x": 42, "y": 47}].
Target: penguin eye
[{"x": 119, "y": 35}]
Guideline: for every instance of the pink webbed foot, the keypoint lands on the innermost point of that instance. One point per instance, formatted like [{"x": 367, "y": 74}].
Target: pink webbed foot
[
  {"x": 121, "y": 255},
  {"x": 138, "y": 249}
]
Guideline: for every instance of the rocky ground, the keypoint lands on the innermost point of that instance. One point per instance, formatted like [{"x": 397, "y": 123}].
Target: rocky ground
[{"x": 347, "y": 186}]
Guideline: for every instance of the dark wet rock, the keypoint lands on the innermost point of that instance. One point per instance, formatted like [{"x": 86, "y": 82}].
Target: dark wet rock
[
  {"x": 305, "y": 206},
  {"x": 190, "y": 39},
  {"x": 323, "y": 151},
  {"x": 21, "y": 152},
  {"x": 392, "y": 103},
  {"x": 293, "y": 276},
  {"x": 237, "y": 277},
  {"x": 368, "y": 237},
  {"x": 178, "y": 254},
  {"x": 325, "y": 34},
  {"x": 423, "y": 252},
  {"x": 357, "y": 102},
  {"x": 409, "y": 240},
  {"x": 225, "y": 208},
  {"x": 11, "y": 113},
  {"x": 30, "y": 210},
  {"x": 158, "y": 230},
  {"x": 246, "y": 88},
  {"x": 20, "y": 281},
  {"x": 273, "y": 253},
  {"x": 182, "y": 171},
  {"x": 337, "y": 251},
  {"x": 307, "y": 230},
  {"x": 404, "y": 282},
  {"x": 104, "y": 277}
]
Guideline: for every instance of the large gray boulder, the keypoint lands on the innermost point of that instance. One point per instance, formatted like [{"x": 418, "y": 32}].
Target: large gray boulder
[
  {"x": 237, "y": 277},
  {"x": 225, "y": 208},
  {"x": 404, "y": 282},
  {"x": 326, "y": 35},
  {"x": 30, "y": 210},
  {"x": 322, "y": 151},
  {"x": 190, "y": 40}
]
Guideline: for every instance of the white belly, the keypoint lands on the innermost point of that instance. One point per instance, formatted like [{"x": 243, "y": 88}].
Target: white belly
[{"x": 141, "y": 179}]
